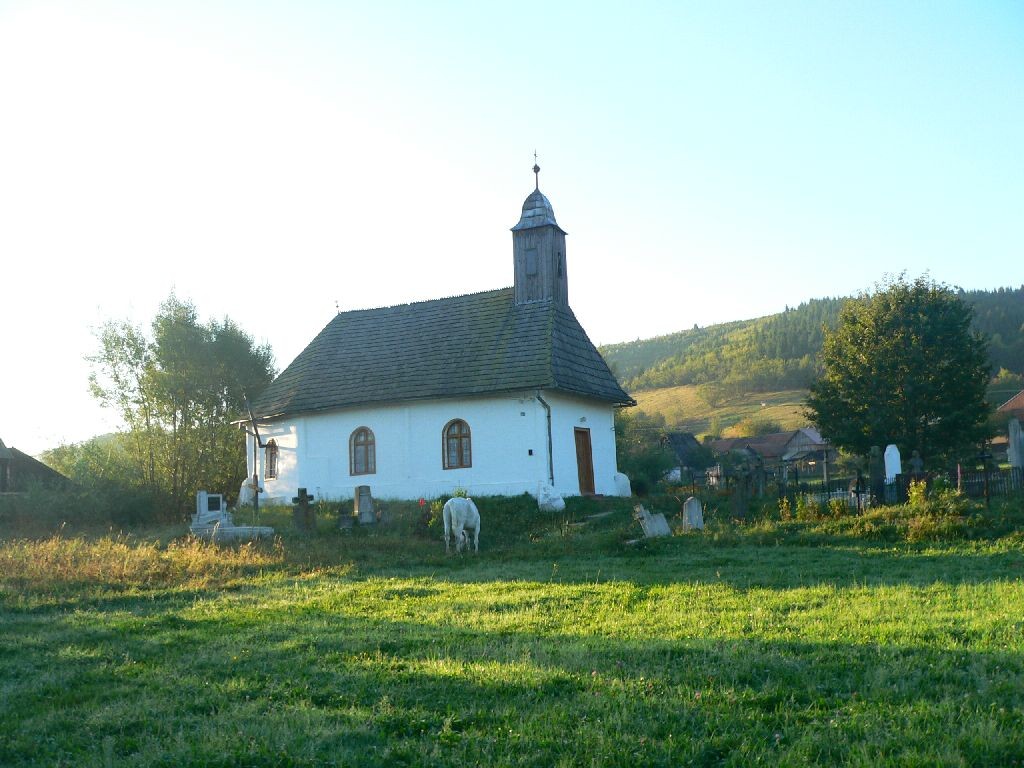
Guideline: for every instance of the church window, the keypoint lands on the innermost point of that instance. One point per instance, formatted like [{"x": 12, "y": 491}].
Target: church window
[
  {"x": 362, "y": 452},
  {"x": 457, "y": 447},
  {"x": 561, "y": 262},
  {"x": 270, "y": 461}
]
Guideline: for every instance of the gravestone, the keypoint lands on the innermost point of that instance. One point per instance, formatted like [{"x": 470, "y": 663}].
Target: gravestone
[
  {"x": 893, "y": 465},
  {"x": 693, "y": 514},
  {"x": 760, "y": 479},
  {"x": 876, "y": 475},
  {"x": 247, "y": 493},
  {"x": 364, "y": 505},
  {"x": 303, "y": 514},
  {"x": 654, "y": 525},
  {"x": 916, "y": 464},
  {"x": 1015, "y": 450},
  {"x": 740, "y": 494},
  {"x": 213, "y": 522}
]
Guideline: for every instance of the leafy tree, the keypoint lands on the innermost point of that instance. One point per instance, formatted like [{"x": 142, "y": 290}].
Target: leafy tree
[
  {"x": 178, "y": 391},
  {"x": 754, "y": 426},
  {"x": 641, "y": 454},
  {"x": 903, "y": 367}
]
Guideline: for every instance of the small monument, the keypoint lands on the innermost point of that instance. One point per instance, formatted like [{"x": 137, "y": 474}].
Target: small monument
[
  {"x": 693, "y": 514},
  {"x": 213, "y": 522},
  {"x": 876, "y": 475},
  {"x": 893, "y": 465},
  {"x": 1015, "y": 450},
  {"x": 740, "y": 494},
  {"x": 364, "y": 506},
  {"x": 622, "y": 486},
  {"x": 916, "y": 464}
]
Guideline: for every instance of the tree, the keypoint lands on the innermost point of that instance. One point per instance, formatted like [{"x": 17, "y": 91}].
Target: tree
[
  {"x": 903, "y": 367},
  {"x": 640, "y": 453},
  {"x": 178, "y": 391}
]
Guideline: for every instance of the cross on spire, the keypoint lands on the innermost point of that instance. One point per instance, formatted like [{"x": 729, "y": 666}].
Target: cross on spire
[{"x": 536, "y": 170}]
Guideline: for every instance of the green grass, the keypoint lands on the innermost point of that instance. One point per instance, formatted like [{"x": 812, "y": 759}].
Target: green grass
[{"x": 820, "y": 641}]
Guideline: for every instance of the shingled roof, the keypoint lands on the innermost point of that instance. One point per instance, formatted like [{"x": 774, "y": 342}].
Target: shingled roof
[{"x": 476, "y": 344}]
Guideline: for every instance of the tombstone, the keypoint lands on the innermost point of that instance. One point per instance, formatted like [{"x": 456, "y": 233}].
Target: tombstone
[
  {"x": 247, "y": 493},
  {"x": 654, "y": 525},
  {"x": 303, "y": 514},
  {"x": 622, "y": 486},
  {"x": 856, "y": 489},
  {"x": 893, "y": 466},
  {"x": 213, "y": 522},
  {"x": 548, "y": 499},
  {"x": 916, "y": 464},
  {"x": 758, "y": 484},
  {"x": 1015, "y": 450},
  {"x": 693, "y": 514},
  {"x": 740, "y": 495},
  {"x": 364, "y": 506},
  {"x": 876, "y": 474}
]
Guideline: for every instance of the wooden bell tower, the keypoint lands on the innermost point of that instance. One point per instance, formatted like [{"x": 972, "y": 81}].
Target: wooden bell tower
[{"x": 538, "y": 252}]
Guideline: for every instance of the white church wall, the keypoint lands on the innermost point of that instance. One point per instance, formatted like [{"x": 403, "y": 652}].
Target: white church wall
[
  {"x": 509, "y": 448},
  {"x": 408, "y": 447},
  {"x": 568, "y": 413}
]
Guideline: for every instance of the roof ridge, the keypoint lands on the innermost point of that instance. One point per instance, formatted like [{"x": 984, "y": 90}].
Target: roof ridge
[{"x": 426, "y": 301}]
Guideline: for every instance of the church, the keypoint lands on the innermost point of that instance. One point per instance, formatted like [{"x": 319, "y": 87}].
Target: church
[{"x": 498, "y": 393}]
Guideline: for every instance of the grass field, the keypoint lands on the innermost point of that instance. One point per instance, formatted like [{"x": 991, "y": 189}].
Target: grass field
[
  {"x": 859, "y": 641},
  {"x": 684, "y": 409}
]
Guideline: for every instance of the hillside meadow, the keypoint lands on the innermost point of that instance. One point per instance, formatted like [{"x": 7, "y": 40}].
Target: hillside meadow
[
  {"x": 895, "y": 638},
  {"x": 685, "y": 409}
]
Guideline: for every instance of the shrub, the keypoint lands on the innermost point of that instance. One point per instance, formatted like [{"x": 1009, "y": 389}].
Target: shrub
[{"x": 785, "y": 510}]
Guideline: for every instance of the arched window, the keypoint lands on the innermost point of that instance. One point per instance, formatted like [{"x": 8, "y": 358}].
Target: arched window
[
  {"x": 362, "y": 452},
  {"x": 270, "y": 461},
  {"x": 457, "y": 448}
]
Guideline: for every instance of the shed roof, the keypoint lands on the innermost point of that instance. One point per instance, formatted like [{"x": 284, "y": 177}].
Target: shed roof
[{"x": 476, "y": 344}]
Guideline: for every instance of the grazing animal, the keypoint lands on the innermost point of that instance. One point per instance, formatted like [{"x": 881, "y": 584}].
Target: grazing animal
[{"x": 458, "y": 515}]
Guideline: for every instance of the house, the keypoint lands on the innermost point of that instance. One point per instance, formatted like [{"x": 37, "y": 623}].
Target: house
[
  {"x": 499, "y": 392},
  {"x": 685, "y": 447},
  {"x": 799, "y": 445},
  {"x": 1013, "y": 408},
  {"x": 19, "y": 472}
]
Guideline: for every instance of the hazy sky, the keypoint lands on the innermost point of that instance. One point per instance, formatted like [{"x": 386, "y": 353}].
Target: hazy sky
[{"x": 710, "y": 162}]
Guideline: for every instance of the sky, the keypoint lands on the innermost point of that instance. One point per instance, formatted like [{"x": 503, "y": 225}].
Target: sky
[{"x": 276, "y": 162}]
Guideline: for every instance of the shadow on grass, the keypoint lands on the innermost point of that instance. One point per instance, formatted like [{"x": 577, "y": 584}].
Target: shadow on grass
[{"x": 300, "y": 685}]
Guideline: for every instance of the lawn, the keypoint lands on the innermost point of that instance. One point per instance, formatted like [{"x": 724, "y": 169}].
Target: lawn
[{"x": 795, "y": 643}]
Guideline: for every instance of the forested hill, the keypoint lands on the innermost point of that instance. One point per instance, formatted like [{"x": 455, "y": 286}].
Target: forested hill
[{"x": 780, "y": 351}]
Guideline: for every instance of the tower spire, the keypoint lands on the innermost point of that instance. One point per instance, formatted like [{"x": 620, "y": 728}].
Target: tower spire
[{"x": 536, "y": 171}]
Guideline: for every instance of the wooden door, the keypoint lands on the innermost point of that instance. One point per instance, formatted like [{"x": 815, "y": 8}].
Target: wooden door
[{"x": 584, "y": 461}]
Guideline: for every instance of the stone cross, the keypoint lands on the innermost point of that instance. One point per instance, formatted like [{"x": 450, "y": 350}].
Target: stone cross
[{"x": 303, "y": 514}]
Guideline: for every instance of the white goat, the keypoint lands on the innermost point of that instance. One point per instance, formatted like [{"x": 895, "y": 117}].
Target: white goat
[{"x": 458, "y": 515}]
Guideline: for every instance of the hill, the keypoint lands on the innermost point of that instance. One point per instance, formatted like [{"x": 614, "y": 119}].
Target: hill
[
  {"x": 684, "y": 408},
  {"x": 779, "y": 352}
]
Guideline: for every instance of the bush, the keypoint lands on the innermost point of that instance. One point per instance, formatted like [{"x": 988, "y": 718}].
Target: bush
[{"x": 47, "y": 509}]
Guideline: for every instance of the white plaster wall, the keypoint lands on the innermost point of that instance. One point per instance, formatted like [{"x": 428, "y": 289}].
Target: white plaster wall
[
  {"x": 567, "y": 413},
  {"x": 313, "y": 449}
]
